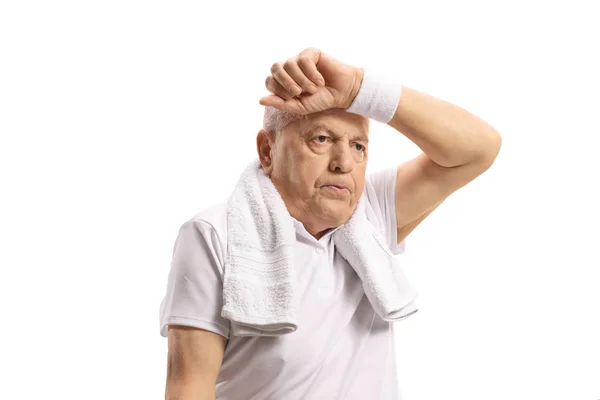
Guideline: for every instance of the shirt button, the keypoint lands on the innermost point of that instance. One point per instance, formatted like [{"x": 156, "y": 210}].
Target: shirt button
[{"x": 319, "y": 250}]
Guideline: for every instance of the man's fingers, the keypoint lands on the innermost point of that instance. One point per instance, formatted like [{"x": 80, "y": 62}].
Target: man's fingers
[
  {"x": 309, "y": 68},
  {"x": 290, "y": 80},
  {"x": 275, "y": 87},
  {"x": 285, "y": 80},
  {"x": 296, "y": 73},
  {"x": 292, "y": 105},
  {"x": 272, "y": 100}
]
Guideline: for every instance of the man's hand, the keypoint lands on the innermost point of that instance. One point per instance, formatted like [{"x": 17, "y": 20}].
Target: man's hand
[{"x": 311, "y": 82}]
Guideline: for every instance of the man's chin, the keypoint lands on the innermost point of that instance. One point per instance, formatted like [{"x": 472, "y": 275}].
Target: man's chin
[
  {"x": 334, "y": 210},
  {"x": 335, "y": 206}
]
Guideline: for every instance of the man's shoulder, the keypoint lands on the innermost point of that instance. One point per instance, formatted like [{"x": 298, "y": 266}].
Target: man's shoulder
[
  {"x": 381, "y": 176},
  {"x": 380, "y": 196},
  {"x": 212, "y": 222},
  {"x": 380, "y": 185},
  {"x": 214, "y": 215}
]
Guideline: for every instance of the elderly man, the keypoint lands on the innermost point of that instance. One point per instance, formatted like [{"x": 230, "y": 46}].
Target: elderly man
[{"x": 314, "y": 149}]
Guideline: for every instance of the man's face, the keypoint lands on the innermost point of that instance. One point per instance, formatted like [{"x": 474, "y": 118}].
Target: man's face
[{"x": 318, "y": 165}]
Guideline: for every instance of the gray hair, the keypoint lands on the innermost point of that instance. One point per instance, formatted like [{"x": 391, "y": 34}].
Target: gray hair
[{"x": 276, "y": 120}]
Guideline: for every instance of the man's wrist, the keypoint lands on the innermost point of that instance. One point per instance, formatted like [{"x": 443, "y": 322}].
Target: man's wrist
[
  {"x": 354, "y": 87},
  {"x": 377, "y": 97}
]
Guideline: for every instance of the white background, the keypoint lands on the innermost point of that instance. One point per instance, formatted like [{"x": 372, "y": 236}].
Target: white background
[{"x": 119, "y": 120}]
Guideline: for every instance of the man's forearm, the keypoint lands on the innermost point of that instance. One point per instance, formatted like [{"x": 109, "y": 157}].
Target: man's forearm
[
  {"x": 191, "y": 396},
  {"x": 448, "y": 134},
  {"x": 188, "y": 392}
]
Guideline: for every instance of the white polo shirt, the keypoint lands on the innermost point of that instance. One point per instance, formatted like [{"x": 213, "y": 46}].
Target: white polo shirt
[{"x": 341, "y": 350}]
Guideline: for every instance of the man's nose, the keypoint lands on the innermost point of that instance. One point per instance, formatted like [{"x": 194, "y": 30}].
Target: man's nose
[{"x": 341, "y": 158}]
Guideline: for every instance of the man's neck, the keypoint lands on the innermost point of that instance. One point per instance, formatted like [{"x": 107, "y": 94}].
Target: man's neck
[{"x": 315, "y": 229}]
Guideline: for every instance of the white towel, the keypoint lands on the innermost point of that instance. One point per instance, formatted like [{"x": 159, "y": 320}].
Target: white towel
[{"x": 259, "y": 277}]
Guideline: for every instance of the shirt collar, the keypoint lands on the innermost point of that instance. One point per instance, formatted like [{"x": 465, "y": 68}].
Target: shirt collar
[{"x": 301, "y": 230}]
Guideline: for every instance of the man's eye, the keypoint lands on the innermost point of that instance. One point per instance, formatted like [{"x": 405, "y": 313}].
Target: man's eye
[
  {"x": 321, "y": 139},
  {"x": 359, "y": 147}
]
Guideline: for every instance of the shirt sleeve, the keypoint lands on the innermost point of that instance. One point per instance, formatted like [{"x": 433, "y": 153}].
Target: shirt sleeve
[
  {"x": 380, "y": 189},
  {"x": 194, "y": 295}
]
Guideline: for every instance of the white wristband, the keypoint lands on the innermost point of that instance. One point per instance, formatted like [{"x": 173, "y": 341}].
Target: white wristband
[{"x": 377, "y": 97}]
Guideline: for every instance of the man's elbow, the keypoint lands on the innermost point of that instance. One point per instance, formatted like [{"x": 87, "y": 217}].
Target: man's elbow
[
  {"x": 490, "y": 151},
  {"x": 496, "y": 143}
]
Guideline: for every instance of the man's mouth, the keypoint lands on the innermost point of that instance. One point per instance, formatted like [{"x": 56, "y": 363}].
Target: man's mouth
[{"x": 337, "y": 187}]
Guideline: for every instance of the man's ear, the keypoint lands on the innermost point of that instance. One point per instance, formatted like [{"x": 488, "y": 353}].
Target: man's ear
[{"x": 265, "y": 143}]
